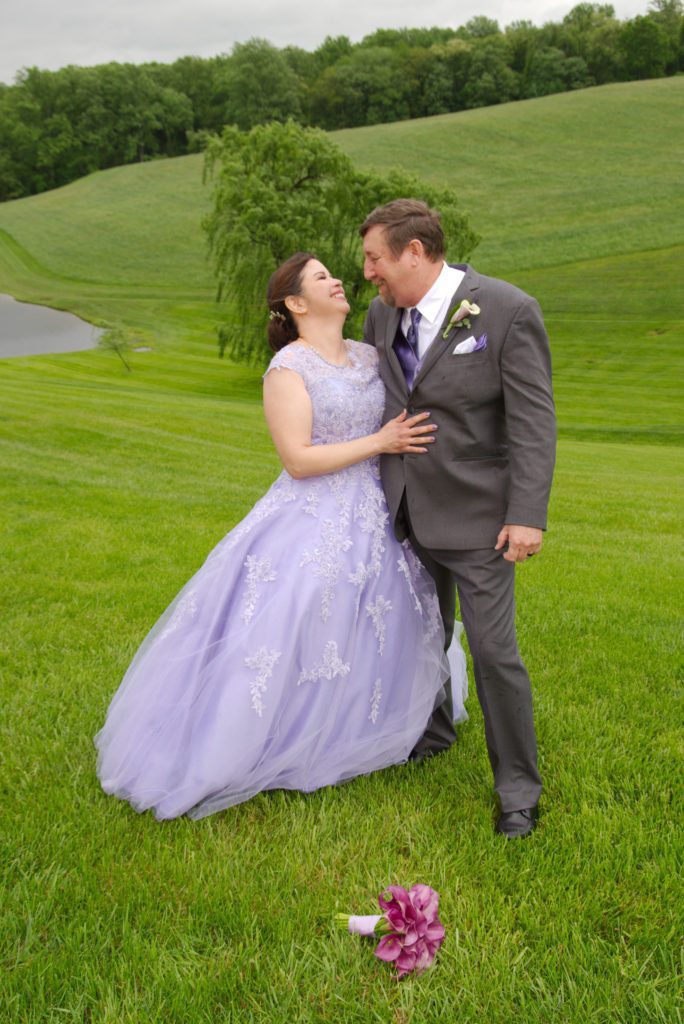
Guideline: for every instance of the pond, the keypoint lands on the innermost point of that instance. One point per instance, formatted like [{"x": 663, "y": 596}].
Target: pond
[{"x": 28, "y": 330}]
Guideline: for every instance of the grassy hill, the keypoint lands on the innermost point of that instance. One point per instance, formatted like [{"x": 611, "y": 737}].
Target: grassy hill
[
  {"x": 554, "y": 180},
  {"x": 115, "y": 487}
]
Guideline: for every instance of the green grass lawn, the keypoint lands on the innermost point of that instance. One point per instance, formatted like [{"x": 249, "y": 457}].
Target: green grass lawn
[{"x": 116, "y": 486}]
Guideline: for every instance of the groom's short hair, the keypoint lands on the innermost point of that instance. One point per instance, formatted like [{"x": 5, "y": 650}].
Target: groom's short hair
[{"x": 404, "y": 220}]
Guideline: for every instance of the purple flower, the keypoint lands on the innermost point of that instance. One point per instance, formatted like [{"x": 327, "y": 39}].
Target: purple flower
[
  {"x": 417, "y": 931},
  {"x": 410, "y": 929}
]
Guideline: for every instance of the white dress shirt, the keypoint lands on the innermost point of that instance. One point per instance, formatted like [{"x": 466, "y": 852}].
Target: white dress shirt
[{"x": 433, "y": 307}]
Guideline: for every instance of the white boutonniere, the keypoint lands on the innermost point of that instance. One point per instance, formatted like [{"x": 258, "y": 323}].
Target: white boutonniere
[{"x": 460, "y": 316}]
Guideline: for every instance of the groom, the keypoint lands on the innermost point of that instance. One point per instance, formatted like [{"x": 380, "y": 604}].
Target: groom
[{"x": 472, "y": 351}]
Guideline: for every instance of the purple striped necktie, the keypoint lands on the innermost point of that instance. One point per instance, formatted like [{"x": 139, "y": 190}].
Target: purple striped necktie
[{"x": 406, "y": 348}]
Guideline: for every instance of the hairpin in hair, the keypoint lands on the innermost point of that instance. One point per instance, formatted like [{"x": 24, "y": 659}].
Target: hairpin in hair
[{"x": 276, "y": 315}]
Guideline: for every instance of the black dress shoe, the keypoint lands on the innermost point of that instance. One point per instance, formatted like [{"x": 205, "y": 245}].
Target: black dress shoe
[
  {"x": 425, "y": 749},
  {"x": 516, "y": 824}
]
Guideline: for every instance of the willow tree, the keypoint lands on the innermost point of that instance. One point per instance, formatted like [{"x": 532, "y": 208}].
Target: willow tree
[{"x": 281, "y": 188}]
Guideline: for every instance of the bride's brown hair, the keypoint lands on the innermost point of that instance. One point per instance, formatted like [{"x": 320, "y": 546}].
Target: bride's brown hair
[{"x": 285, "y": 281}]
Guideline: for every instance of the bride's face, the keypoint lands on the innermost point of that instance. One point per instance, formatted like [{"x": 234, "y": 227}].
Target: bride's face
[{"x": 321, "y": 293}]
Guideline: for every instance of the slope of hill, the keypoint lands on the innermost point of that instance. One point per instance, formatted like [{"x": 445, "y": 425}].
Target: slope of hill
[
  {"x": 139, "y": 225},
  {"x": 552, "y": 180}
]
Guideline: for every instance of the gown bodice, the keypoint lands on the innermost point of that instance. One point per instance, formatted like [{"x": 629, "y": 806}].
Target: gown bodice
[{"x": 347, "y": 401}]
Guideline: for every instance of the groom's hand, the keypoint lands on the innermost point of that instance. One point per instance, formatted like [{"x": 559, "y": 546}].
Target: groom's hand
[{"x": 523, "y": 541}]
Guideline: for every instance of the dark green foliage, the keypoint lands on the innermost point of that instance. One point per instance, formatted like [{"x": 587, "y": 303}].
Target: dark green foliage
[
  {"x": 586, "y": 16},
  {"x": 549, "y": 71},
  {"x": 480, "y": 27},
  {"x": 284, "y": 188},
  {"x": 332, "y": 49},
  {"x": 521, "y": 40},
  {"x": 408, "y": 38},
  {"x": 261, "y": 86},
  {"x": 644, "y": 46},
  {"x": 489, "y": 79},
  {"x": 669, "y": 16},
  {"x": 368, "y": 87},
  {"x": 205, "y": 82},
  {"x": 603, "y": 56},
  {"x": 57, "y": 126}
]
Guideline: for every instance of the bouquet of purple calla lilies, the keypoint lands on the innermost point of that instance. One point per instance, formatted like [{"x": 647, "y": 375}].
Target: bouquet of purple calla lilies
[{"x": 410, "y": 928}]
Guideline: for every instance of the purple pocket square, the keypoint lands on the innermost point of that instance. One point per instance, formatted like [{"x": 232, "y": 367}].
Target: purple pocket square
[{"x": 464, "y": 348}]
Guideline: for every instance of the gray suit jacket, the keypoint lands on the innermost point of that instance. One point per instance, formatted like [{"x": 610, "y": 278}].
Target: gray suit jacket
[{"x": 492, "y": 462}]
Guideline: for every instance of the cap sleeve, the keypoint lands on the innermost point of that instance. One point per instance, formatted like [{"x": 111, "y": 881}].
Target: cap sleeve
[{"x": 291, "y": 357}]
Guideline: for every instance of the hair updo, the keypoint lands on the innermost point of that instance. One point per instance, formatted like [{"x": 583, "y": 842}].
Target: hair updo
[{"x": 285, "y": 281}]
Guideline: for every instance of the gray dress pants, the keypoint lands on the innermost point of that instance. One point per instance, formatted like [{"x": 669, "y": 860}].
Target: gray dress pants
[{"x": 485, "y": 582}]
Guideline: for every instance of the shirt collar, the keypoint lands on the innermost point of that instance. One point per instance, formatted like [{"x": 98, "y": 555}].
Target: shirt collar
[{"x": 430, "y": 306}]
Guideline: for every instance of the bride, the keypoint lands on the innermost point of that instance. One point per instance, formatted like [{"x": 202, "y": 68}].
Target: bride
[{"x": 309, "y": 647}]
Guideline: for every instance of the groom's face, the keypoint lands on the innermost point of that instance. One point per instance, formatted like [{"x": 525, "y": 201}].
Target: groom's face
[{"x": 393, "y": 276}]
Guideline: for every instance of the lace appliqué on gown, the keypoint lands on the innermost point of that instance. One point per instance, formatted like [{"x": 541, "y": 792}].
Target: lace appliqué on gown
[
  {"x": 258, "y": 571},
  {"x": 377, "y": 611},
  {"x": 263, "y": 662},
  {"x": 326, "y": 561},
  {"x": 331, "y": 665},
  {"x": 185, "y": 609},
  {"x": 375, "y": 701}
]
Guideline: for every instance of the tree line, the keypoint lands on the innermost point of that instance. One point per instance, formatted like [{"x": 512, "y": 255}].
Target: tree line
[{"x": 58, "y": 126}]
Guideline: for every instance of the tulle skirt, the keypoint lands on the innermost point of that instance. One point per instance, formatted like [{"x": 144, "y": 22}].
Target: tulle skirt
[{"x": 308, "y": 649}]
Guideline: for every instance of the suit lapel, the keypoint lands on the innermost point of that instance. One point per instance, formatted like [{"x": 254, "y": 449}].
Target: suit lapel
[
  {"x": 391, "y": 327},
  {"x": 466, "y": 290}
]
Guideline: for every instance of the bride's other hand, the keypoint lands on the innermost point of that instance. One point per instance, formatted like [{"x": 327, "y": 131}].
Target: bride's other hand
[{"x": 406, "y": 434}]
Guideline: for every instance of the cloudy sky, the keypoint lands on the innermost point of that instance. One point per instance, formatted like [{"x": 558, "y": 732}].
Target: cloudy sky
[{"x": 51, "y": 34}]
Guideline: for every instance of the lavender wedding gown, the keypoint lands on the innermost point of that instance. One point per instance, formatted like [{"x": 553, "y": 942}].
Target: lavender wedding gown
[{"x": 307, "y": 649}]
